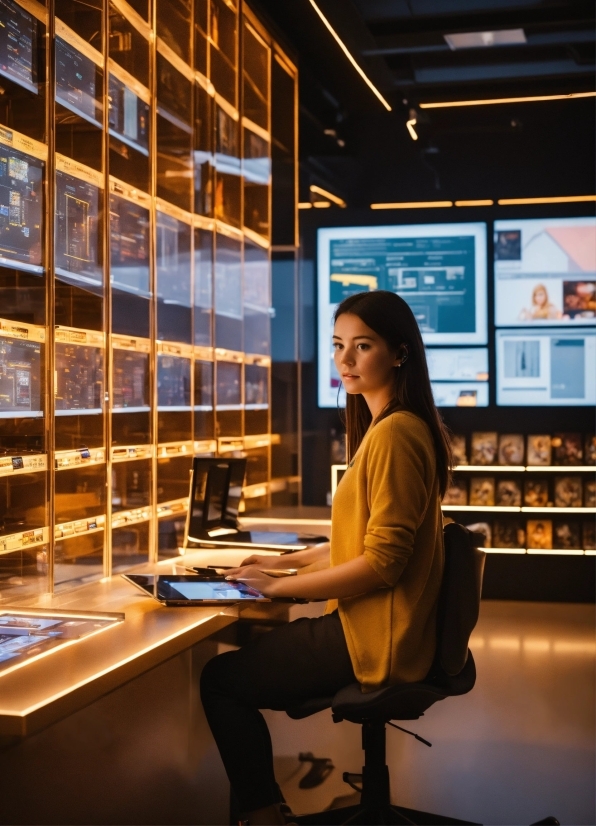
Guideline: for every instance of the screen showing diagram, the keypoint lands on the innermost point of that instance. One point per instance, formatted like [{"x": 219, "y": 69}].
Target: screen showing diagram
[
  {"x": 18, "y": 45},
  {"x": 545, "y": 272},
  {"x": 439, "y": 269},
  {"x": 77, "y": 231},
  {"x": 20, "y": 373},
  {"x": 77, "y": 85},
  {"x": 21, "y": 204}
]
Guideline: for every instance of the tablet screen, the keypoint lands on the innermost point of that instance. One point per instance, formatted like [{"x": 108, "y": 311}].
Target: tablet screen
[{"x": 173, "y": 589}]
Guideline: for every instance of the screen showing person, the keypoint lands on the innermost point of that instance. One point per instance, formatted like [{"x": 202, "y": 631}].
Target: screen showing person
[
  {"x": 20, "y": 373},
  {"x": 78, "y": 83},
  {"x": 546, "y": 367},
  {"x": 439, "y": 269},
  {"x": 21, "y": 200},
  {"x": 19, "y": 36},
  {"x": 77, "y": 236},
  {"x": 544, "y": 272}
]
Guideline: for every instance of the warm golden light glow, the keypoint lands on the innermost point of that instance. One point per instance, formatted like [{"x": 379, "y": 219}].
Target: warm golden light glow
[
  {"x": 557, "y": 199},
  {"x": 326, "y": 194},
  {"x": 322, "y": 204},
  {"x": 304, "y": 205},
  {"x": 410, "y": 124},
  {"x": 487, "y": 101},
  {"x": 348, "y": 54},
  {"x": 481, "y": 202},
  {"x": 412, "y": 205}
]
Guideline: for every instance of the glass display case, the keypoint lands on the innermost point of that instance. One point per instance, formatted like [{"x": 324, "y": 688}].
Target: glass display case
[
  {"x": 203, "y": 150},
  {"x": 228, "y": 290},
  {"x": 131, "y": 393},
  {"x": 256, "y": 141},
  {"x": 201, "y": 37},
  {"x": 174, "y": 407},
  {"x": 174, "y": 275},
  {"x": 78, "y": 388},
  {"x": 257, "y": 299},
  {"x": 228, "y": 391},
  {"x": 129, "y": 37},
  {"x": 256, "y": 394},
  {"x": 174, "y": 136},
  {"x": 129, "y": 123},
  {"x": 203, "y": 399},
  {"x": 228, "y": 182},
  {"x": 203, "y": 286},
  {"x": 224, "y": 49}
]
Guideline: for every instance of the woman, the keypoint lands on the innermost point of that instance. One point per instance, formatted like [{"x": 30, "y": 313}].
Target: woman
[
  {"x": 541, "y": 308},
  {"x": 381, "y": 571}
]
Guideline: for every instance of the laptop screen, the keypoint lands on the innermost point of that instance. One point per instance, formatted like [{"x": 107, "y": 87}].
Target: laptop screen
[{"x": 216, "y": 490}]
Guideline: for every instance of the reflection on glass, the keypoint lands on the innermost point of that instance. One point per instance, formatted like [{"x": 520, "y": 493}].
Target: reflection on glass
[
  {"x": 128, "y": 47},
  {"x": 21, "y": 198},
  {"x": 257, "y": 337},
  {"x": 203, "y": 255},
  {"x": 256, "y": 171},
  {"x": 84, "y": 17},
  {"x": 129, "y": 267},
  {"x": 203, "y": 385},
  {"x": 78, "y": 559},
  {"x": 227, "y": 166},
  {"x": 203, "y": 151},
  {"x": 78, "y": 378},
  {"x": 131, "y": 381},
  {"x": 255, "y": 79},
  {"x": 229, "y": 390},
  {"x": 130, "y": 546},
  {"x": 20, "y": 378},
  {"x": 141, "y": 7},
  {"x": 174, "y": 93},
  {"x": 173, "y": 383},
  {"x": 173, "y": 24},
  {"x": 257, "y": 466},
  {"x": 170, "y": 535},
  {"x": 173, "y": 475},
  {"x": 24, "y": 573},
  {"x": 174, "y": 315},
  {"x": 80, "y": 493},
  {"x": 131, "y": 485},
  {"x": 77, "y": 257},
  {"x": 224, "y": 30},
  {"x": 174, "y": 161},
  {"x": 228, "y": 293},
  {"x": 22, "y": 503},
  {"x": 256, "y": 386}
]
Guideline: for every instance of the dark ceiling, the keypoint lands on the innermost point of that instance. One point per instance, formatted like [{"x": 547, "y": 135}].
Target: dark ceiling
[{"x": 350, "y": 142}]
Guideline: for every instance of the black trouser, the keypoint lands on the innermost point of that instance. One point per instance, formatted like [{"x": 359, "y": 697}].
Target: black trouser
[{"x": 304, "y": 659}]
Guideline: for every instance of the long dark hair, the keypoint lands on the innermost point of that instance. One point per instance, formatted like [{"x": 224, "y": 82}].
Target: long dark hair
[{"x": 391, "y": 318}]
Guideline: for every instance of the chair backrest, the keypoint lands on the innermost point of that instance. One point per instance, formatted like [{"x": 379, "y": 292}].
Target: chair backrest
[{"x": 459, "y": 602}]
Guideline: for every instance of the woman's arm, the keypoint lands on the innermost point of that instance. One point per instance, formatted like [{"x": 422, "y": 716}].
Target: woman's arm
[
  {"x": 299, "y": 559},
  {"x": 346, "y": 580}
]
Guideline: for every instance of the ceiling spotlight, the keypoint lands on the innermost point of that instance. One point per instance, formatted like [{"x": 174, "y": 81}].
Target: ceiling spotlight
[
  {"x": 411, "y": 123},
  {"x": 476, "y": 40}
]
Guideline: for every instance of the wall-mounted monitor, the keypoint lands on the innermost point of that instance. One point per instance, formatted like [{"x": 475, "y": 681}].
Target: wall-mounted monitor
[
  {"x": 546, "y": 367},
  {"x": 128, "y": 116},
  {"x": 459, "y": 376},
  {"x": 439, "y": 269},
  {"x": 18, "y": 45},
  {"x": 545, "y": 272},
  {"x": 78, "y": 83},
  {"x": 77, "y": 253},
  {"x": 20, "y": 374},
  {"x": 21, "y": 205}
]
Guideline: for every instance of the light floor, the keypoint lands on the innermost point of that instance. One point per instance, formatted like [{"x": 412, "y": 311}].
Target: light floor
[{"x": 519, "y": 747}]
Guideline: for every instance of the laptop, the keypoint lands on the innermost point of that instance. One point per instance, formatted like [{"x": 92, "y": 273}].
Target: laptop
[
  {"x": 212, "y": 520},
  {"x": 187, "y": 590}
]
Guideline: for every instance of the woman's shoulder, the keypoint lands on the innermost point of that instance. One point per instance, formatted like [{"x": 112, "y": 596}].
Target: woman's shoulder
[{"x": 401, "y": 423}]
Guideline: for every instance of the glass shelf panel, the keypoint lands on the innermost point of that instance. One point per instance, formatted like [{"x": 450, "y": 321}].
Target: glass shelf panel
[
  {"x": 203, "y": 287},
  {"x": 257, "y": 299},
  {"x": 174, "y": 304},
  {"x": 228, "y": 292},
  {"x": 129, "y": 267}
]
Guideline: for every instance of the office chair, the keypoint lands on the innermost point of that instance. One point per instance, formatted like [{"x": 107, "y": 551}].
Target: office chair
[{"x": 453, "y": 673}]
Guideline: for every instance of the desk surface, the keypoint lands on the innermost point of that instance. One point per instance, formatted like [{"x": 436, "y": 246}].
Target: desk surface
[{"x": 64, "y": 680}]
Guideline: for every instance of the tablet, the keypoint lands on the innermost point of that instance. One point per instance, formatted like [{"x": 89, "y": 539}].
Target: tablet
[{"x": 180, "y": 589}]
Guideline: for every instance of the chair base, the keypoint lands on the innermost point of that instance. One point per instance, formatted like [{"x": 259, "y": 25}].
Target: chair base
[{"x": 376, "y": 815}]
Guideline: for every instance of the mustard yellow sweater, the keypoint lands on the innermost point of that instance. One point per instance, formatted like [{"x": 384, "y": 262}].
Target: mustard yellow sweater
[{"x": 387, "y": 507}]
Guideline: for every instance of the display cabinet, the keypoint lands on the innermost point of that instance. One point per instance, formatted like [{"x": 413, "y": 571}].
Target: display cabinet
[{"x": 136, "y": 183}]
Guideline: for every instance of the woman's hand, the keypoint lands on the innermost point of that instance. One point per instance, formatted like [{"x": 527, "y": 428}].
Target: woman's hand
[
  {"x": 265, "y": 561},
  {"x": 255, "y": 578}
]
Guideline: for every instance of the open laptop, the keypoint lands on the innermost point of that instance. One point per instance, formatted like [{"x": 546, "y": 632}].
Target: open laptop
[{"x": 212, "y": 520}]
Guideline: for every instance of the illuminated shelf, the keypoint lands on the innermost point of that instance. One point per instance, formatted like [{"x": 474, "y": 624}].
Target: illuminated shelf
[
  {"x": 511, "y": 509},
  {"x": 526, "y": 468},
  {"x": 23, "y": 540},
  {"x": 541, "y": 551},
  {"x": 79, "y": 527},
  {"x": 14, "y": 465}
]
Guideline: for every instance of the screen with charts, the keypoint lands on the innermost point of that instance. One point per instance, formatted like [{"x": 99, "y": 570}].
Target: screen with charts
[
  {"x": 18, "y": 45},
  {"x": 21, "y": 204},
  {"x": 128, "y": 116},
  {"x": 77, "y": 231},
  {"x": 129, "y": 246},
  {"x": 459, "y": 376},
  {"x": 20, "y": 374},
  {"x": 546, "y": 367},
  {"x": 77, "y": 83},
  {"x": 439, "y": 269},
  {"x": 545, "y": 272}
]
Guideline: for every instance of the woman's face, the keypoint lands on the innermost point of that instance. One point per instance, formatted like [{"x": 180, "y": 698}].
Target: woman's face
[
  {"x": 362, "y": 357},
  {"x": 540, "y": 297}
]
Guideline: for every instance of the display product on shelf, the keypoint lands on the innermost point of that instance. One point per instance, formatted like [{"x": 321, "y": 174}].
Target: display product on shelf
[
  {"x": 568, "y": 492},
  {"x": 457, "y": 493},
  {"x": 511, "y": 449},
  {"x": 508, "y": 493},
  {"x": 509, "y": 533},
  {"x": 458, "y": 448},
  {"x": 484, "y": 448},
  {"x": 482, "y": 491},
  {"x": 566, "y": 535},
  {"x": 590, "y": 494},
  {"x": 536, "y": 493},
  {"x": 539, "y": 450},
  {"x": 590, "y": 449},
  {"x": 567, "y": 449},
  {"x": 539, "y": 534},
  {"x": 589, "y": 535}
]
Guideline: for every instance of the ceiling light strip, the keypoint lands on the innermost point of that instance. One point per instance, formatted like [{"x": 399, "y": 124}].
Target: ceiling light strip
[
  {"x": 558, "y": 199},
  {"x": 348, "y": 54},
  {"x": 318, "y": 190},
  {"x": 413, "y": 205},
  {"x": 481, "y": 202},
  {"x": 485, "y": 102}
]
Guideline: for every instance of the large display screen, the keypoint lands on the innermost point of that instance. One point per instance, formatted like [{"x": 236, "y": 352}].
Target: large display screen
[
  {"x": 439, "y": 269},
  {"x": 129, "y": 246},
  {"x": 459, "y": 376},
  {"x": 128, "y": 116},
  {"x": 21, "y": 204},
  {"x": 18, "y": 45},
  {"x": 546, "y": 367},
  {"x": 20, "y": 373},
  {"x": 77, "y": 231},
  {"x": 77, "y": 84},
  {"x": 545, "y": 272}
]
